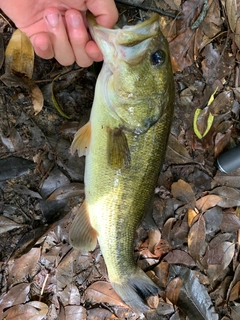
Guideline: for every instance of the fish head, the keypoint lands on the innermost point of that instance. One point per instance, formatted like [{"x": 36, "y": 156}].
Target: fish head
[{"x": 136, "y": 75}]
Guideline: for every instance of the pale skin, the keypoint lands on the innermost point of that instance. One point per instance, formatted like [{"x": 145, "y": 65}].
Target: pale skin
[{"x": 57, "y": 28}]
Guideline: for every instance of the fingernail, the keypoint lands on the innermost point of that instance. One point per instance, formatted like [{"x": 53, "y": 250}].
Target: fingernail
[
  {"x": 53, "y": 19},
  {"x": 43, "y": 48},
  {"x": 74, "y": 20}
]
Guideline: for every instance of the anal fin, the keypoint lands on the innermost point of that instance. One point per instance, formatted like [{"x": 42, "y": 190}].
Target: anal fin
[
  {"x": 81, "y": 140},
  {"x": 82, "y": 235}
]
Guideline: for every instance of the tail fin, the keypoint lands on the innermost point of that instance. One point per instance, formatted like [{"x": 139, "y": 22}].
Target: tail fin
[{"x": 135, "y": 289}]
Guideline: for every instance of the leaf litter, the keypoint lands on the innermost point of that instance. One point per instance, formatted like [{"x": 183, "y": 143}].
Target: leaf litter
[{"x": 193, "y": 255}]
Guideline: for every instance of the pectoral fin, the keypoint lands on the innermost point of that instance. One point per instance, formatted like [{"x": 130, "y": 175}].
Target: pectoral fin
[
  {"x": 81, "y": 140},
  {"x": 82, "y": 235},
  {"x": 118, "y": 150}
]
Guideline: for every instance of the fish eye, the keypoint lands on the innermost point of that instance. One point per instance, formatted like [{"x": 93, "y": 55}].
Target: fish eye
[{"x": 158, "y": 57}]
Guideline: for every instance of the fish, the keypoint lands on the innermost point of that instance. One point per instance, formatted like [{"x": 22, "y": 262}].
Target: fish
[{"x": 124, "y": 143}]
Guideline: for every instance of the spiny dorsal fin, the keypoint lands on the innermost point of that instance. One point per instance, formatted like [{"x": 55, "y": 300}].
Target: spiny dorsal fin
[
  {"x": 81, "y": 140},
  {"x": 82, "y": 235},
  {"x": 118, "y": 150}
]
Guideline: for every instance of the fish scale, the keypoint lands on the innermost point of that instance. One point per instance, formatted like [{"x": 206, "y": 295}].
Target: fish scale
[{"x": 124, "y": 143}]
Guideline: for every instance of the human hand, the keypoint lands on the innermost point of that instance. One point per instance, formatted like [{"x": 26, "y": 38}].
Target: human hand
[{"x": 57, "y": 28}]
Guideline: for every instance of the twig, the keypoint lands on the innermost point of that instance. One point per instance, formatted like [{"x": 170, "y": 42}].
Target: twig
[
  {"x": 146, "y": 8},
  {"x": 201, "y": 17}
]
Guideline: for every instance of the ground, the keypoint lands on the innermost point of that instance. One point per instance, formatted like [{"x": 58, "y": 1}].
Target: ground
[{"x": 193, "y": 256}]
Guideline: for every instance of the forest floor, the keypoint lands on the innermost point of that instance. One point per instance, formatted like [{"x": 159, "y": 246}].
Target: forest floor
[{"x": 194, "y": 256}]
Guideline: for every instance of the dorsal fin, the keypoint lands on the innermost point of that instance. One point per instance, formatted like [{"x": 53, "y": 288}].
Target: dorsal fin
[
  {"x": 81, "y": 140},
  {"x": 82, "y": 235}
]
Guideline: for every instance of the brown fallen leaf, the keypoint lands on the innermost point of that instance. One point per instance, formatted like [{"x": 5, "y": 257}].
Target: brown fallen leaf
[
  {"x": 182, "y": 50},
  {"x": 19, "y": 54},
  {"x": 100, "y": 314},
  {"x": 24, "y": 267},
  {"x": 1, "y": 50},
  {"x": 184, "y": 192},
  {"x": 75, "y": 312},
  {"x": 179, "y": 257},
  {"x": 186, "y": 292},
  {"x": 230, "y": 222},
  {"x": 207, "y": 202},
  {"x": 19, "y": 63},
  {"x": 37, "y": 98},
  {"x": 176, "y": 152},
  {"x": 7, "y": 224},
  {"x": 154, "y": 236},
  {"x": 161, "y": 274},
  {"x": 67, "y": 191},
  {"x": 213, "y": 219},
  {"x": 231, "y": 9},
  {"x": 230, "y": 196},
  {"x": 173, "y": 290},
  {"x": 235, "y": 292},
  {"x": 102, "y": 292},
  {"x": 16, "y": 295},
  {"x": 218, "y": 258},
  {"x": 14, "y": 79},
  {"x": 196, "y": 239},
  {"x": 237, "y": 33},
  {"x": 191, "y": 214},
  {"x": 33, "y": 310}
]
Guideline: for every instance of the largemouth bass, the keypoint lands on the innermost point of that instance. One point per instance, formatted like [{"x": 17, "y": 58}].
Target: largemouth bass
[{"x": 124, "y": 143}]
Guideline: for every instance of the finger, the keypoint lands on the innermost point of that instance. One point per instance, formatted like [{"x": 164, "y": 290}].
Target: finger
[
  {"x": 62, "y": 48},
  {"x": 105, "y": 12},
  {"x": 42, "y": 45},
  {"x": 79, "y": 37},
  {"x": 93, "y": 51}
]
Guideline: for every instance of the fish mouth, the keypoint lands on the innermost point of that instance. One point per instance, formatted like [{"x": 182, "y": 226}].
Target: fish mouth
[{"x": 127, "y": 44}]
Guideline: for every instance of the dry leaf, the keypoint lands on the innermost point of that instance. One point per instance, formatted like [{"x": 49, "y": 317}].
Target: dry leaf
[
  {"x": 100, "y": 314},
  {"x": 207, "y": 202},
  {"x": 173, "y": 290},
  {"x": 19, "y": 55},
  {"x": 19, "y": 63},
  {"x": 67, "y": 191},
  {"x": 102, "y": 292},
  {"x": 213, "y": 219},
  {"x": 67, "y": 291},
  {"x": 7, "y": 224},
  {"x": 230, "y": 223},
  {"x": 37, "y": 98},
  {"x": 219, "y": 257},
  {"x": 33, "y": 310},
  {"x": 230, "y": 196},
  {"x": 180, "y": 257},
  {"x": 176, "y": 152},
  {"x": 154, "y": 237},
  {"x": 237, "y": 33},
  {"x": 191, "y": 214},
  {"x": 16, "y": 295},
  {"x": 235, "y": 292},
  {"x": 231, "y": 9},
  {"x": 24, "y": 267},
  {"x": 183, "y": 191},
  {"x": 75, "y": 312},
  {"x": 161, "y": 272},
  {"x": 1, "y": 50},
  {"x": 196, "y": 239},
  {"x": 190, "y": 296}
]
